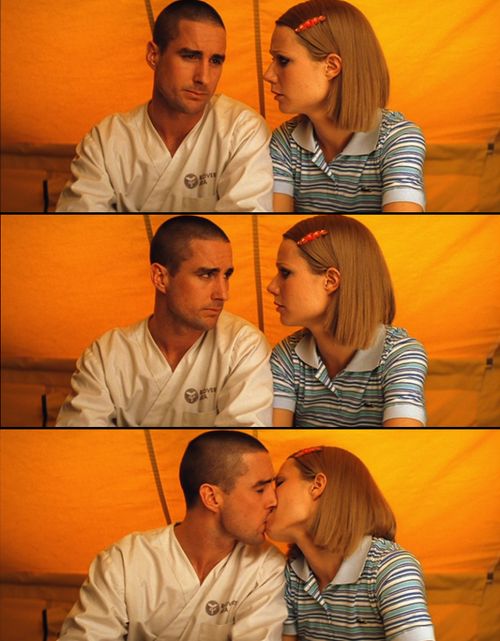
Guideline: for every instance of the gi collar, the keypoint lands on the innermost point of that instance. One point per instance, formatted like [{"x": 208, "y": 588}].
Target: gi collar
[
  {"x": 361, "y": 144},
  {"x": 350, "y": 569},
  {"x": 365, "y": 360}
]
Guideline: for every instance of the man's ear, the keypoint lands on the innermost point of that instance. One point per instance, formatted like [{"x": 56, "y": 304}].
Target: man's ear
[
  {"x": 333, "y": 65},
  {"x": 332, "y": 280},
  {"x": 160, "y": 277},
  {"x": 152, "y": 54},
  {"x": 318, "y": 485},
  {"x": 211, "y": 497}
]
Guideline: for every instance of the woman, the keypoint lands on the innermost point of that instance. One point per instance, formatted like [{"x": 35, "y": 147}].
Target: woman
[
  {"x": 346, "y": 578},
  {"x": 348, "y": 367},
  {"x": 345, "y": 151}
]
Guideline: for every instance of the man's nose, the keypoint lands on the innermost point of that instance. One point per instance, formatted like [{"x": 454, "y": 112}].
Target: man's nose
[
  {"x": 221, "y": 289},
  {"x": 201, "y": 74}
]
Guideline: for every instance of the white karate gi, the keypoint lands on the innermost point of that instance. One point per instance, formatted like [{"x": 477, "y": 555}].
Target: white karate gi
[
  {"x": 223, "y": 164},
  {"x": 123, "y": 379},
  {"x": 144, "y": 588}
]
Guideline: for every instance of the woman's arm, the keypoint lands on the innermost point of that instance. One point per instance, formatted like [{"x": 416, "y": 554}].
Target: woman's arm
[
  {"x": 283, "y": 203},
  {"x": 282, "y": 418},
  {"x": 403, "y": 422},
  {"x": 289, "y": 637},
  {"x": 400, "y": 207}
]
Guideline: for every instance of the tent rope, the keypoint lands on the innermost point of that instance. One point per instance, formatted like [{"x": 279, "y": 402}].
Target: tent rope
[
  {"x": 149, "y": 226},
  {"x": 156, "y": 474},
  {"x": 258, "y": 57},
  {"x": 257, "y": 270},
  {"x": 149, "y": 11}
]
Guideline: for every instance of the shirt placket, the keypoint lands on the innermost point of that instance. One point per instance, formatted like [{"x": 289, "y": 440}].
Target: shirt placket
[{"x": 320, "y": 162}]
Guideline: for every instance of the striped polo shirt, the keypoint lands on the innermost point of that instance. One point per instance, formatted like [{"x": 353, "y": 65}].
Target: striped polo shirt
[
  {"x": 378, "y": 594},
  {"x": 382, "y": 382},
  {"x": 376, "y": 167}
]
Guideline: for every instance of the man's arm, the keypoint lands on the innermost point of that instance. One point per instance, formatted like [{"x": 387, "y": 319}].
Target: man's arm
[
  {"x": 100, "y": 612},
  {"x": 262, "y": 614},
  {"x": 90, "y": 188},
  {"x": 247, "y": 396},
  {"x": 90, "y": 403},
  {"x": 247, "y": 181}
]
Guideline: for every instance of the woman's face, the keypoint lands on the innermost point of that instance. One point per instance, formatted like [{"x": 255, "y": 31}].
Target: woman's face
[
  {"x": 300, "y": 296},
  {"x": 300, "y": 84},
  {"x": 295, "y": 507}
]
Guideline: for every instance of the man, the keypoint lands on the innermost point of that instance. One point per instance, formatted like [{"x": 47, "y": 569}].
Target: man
[
  {"x": 188, "y": 365},
  {"x": 211, "y": 577},
  {"x": 187, "y": 149}
]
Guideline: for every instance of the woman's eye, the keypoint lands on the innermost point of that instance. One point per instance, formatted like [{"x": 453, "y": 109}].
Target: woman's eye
[
  {"x": 285, "y": 273},
  {"x": 282, "y": 61}
]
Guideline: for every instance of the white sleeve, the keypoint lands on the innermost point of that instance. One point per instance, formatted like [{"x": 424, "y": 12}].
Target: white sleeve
[
  {"x": 261, "y": 615},
  {"x": 100, "y": 612},
  {"x": 90, "y": 403},
  {"x": 246, "y": 183},
  {"x": 90, "y": 188},
  {"x": 247, "y": 396}
]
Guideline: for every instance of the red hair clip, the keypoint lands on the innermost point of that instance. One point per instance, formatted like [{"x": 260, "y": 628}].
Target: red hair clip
[
  {"x": 312, "y": 22},
  {"x": 307, "y": 450},
  {"x": 312, "y": 236}
]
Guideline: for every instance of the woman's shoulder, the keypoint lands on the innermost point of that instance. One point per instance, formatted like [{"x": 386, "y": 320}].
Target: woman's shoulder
[
  {"x": 398, "y": 341},
  {"x": 394, "y": 126},
  {"x": 286, "y": 129},
  {"x": 387, "y": 553}
]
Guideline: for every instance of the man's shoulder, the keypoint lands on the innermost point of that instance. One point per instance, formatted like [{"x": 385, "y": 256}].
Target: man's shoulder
[
  {"x": 264, "y": 555},
  {"x": 132, "y": 542},
  {"x": 120, "y": 121},
  {"x": 115, "y": 340},
  {"x": 234, "y": 326},
  {"x": 225, "y": 105}
]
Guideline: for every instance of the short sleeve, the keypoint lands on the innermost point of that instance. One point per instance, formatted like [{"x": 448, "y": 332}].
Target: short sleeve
[
  {"x": 401, "y": 599},
  {"x": 282, "y": 162},
  {"x": 403, "y": 165},
  {"x": 285, "y": 396},
  {"x": 404, "y": 376}
]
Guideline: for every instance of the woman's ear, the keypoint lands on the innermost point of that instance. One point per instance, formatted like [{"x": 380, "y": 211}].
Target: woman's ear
[
  {"x": 332, "y": 280},
  {"x": 333, "y": 65},
  {"x": 318, "y": 485}
]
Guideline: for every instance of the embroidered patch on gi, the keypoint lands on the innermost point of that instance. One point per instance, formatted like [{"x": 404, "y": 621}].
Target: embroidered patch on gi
[
  {"x": 212, "y": 608},
  {"x": 191, "y": 181},
  {"x": 191, "y": 395}
]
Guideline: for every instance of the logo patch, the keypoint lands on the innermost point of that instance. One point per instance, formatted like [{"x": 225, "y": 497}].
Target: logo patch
[
  {"x": 191, "y": 181},
  {"x": 212, "y": 608},
  {"x": 191, "y": 395}
]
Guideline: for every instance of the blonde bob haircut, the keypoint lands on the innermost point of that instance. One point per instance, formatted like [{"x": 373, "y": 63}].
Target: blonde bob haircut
[
  {"x": 365, "y": 298},
  {"x": 362, "y": 87},
  {"x": 351, "y": 505}
]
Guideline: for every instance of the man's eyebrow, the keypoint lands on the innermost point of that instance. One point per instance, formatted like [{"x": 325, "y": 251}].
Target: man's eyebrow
[
  {"x": 198, "y": 52},
  {"x": 213, "y": 270},
  {"x": 262, "y": 483}
]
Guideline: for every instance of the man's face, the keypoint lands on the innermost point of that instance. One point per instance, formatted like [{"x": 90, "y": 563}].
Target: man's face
[
  {"x": 196, "y": 295},
  {"x": 188, "y": 70},
  {"x": 247, "y": 506}
]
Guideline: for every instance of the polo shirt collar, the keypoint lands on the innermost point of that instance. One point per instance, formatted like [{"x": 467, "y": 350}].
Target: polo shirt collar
[
  {"x": 361, "y": 144},
  {"x": 350, "y": 569},
  {"x": 364, "y": 360}
]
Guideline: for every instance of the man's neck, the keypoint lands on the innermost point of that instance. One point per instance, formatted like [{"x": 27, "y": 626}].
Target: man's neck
[
  {"x": 173, "y": 126},
  {"x": 203, "y": 543},
  {"x": 172, "y": 339}
]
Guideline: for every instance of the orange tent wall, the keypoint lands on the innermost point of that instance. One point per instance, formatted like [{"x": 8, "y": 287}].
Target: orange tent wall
[
  {"x": 67, "y": 279},
  {"x": 66, "y": 66},
  {"x": 66, "y": 494}
]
